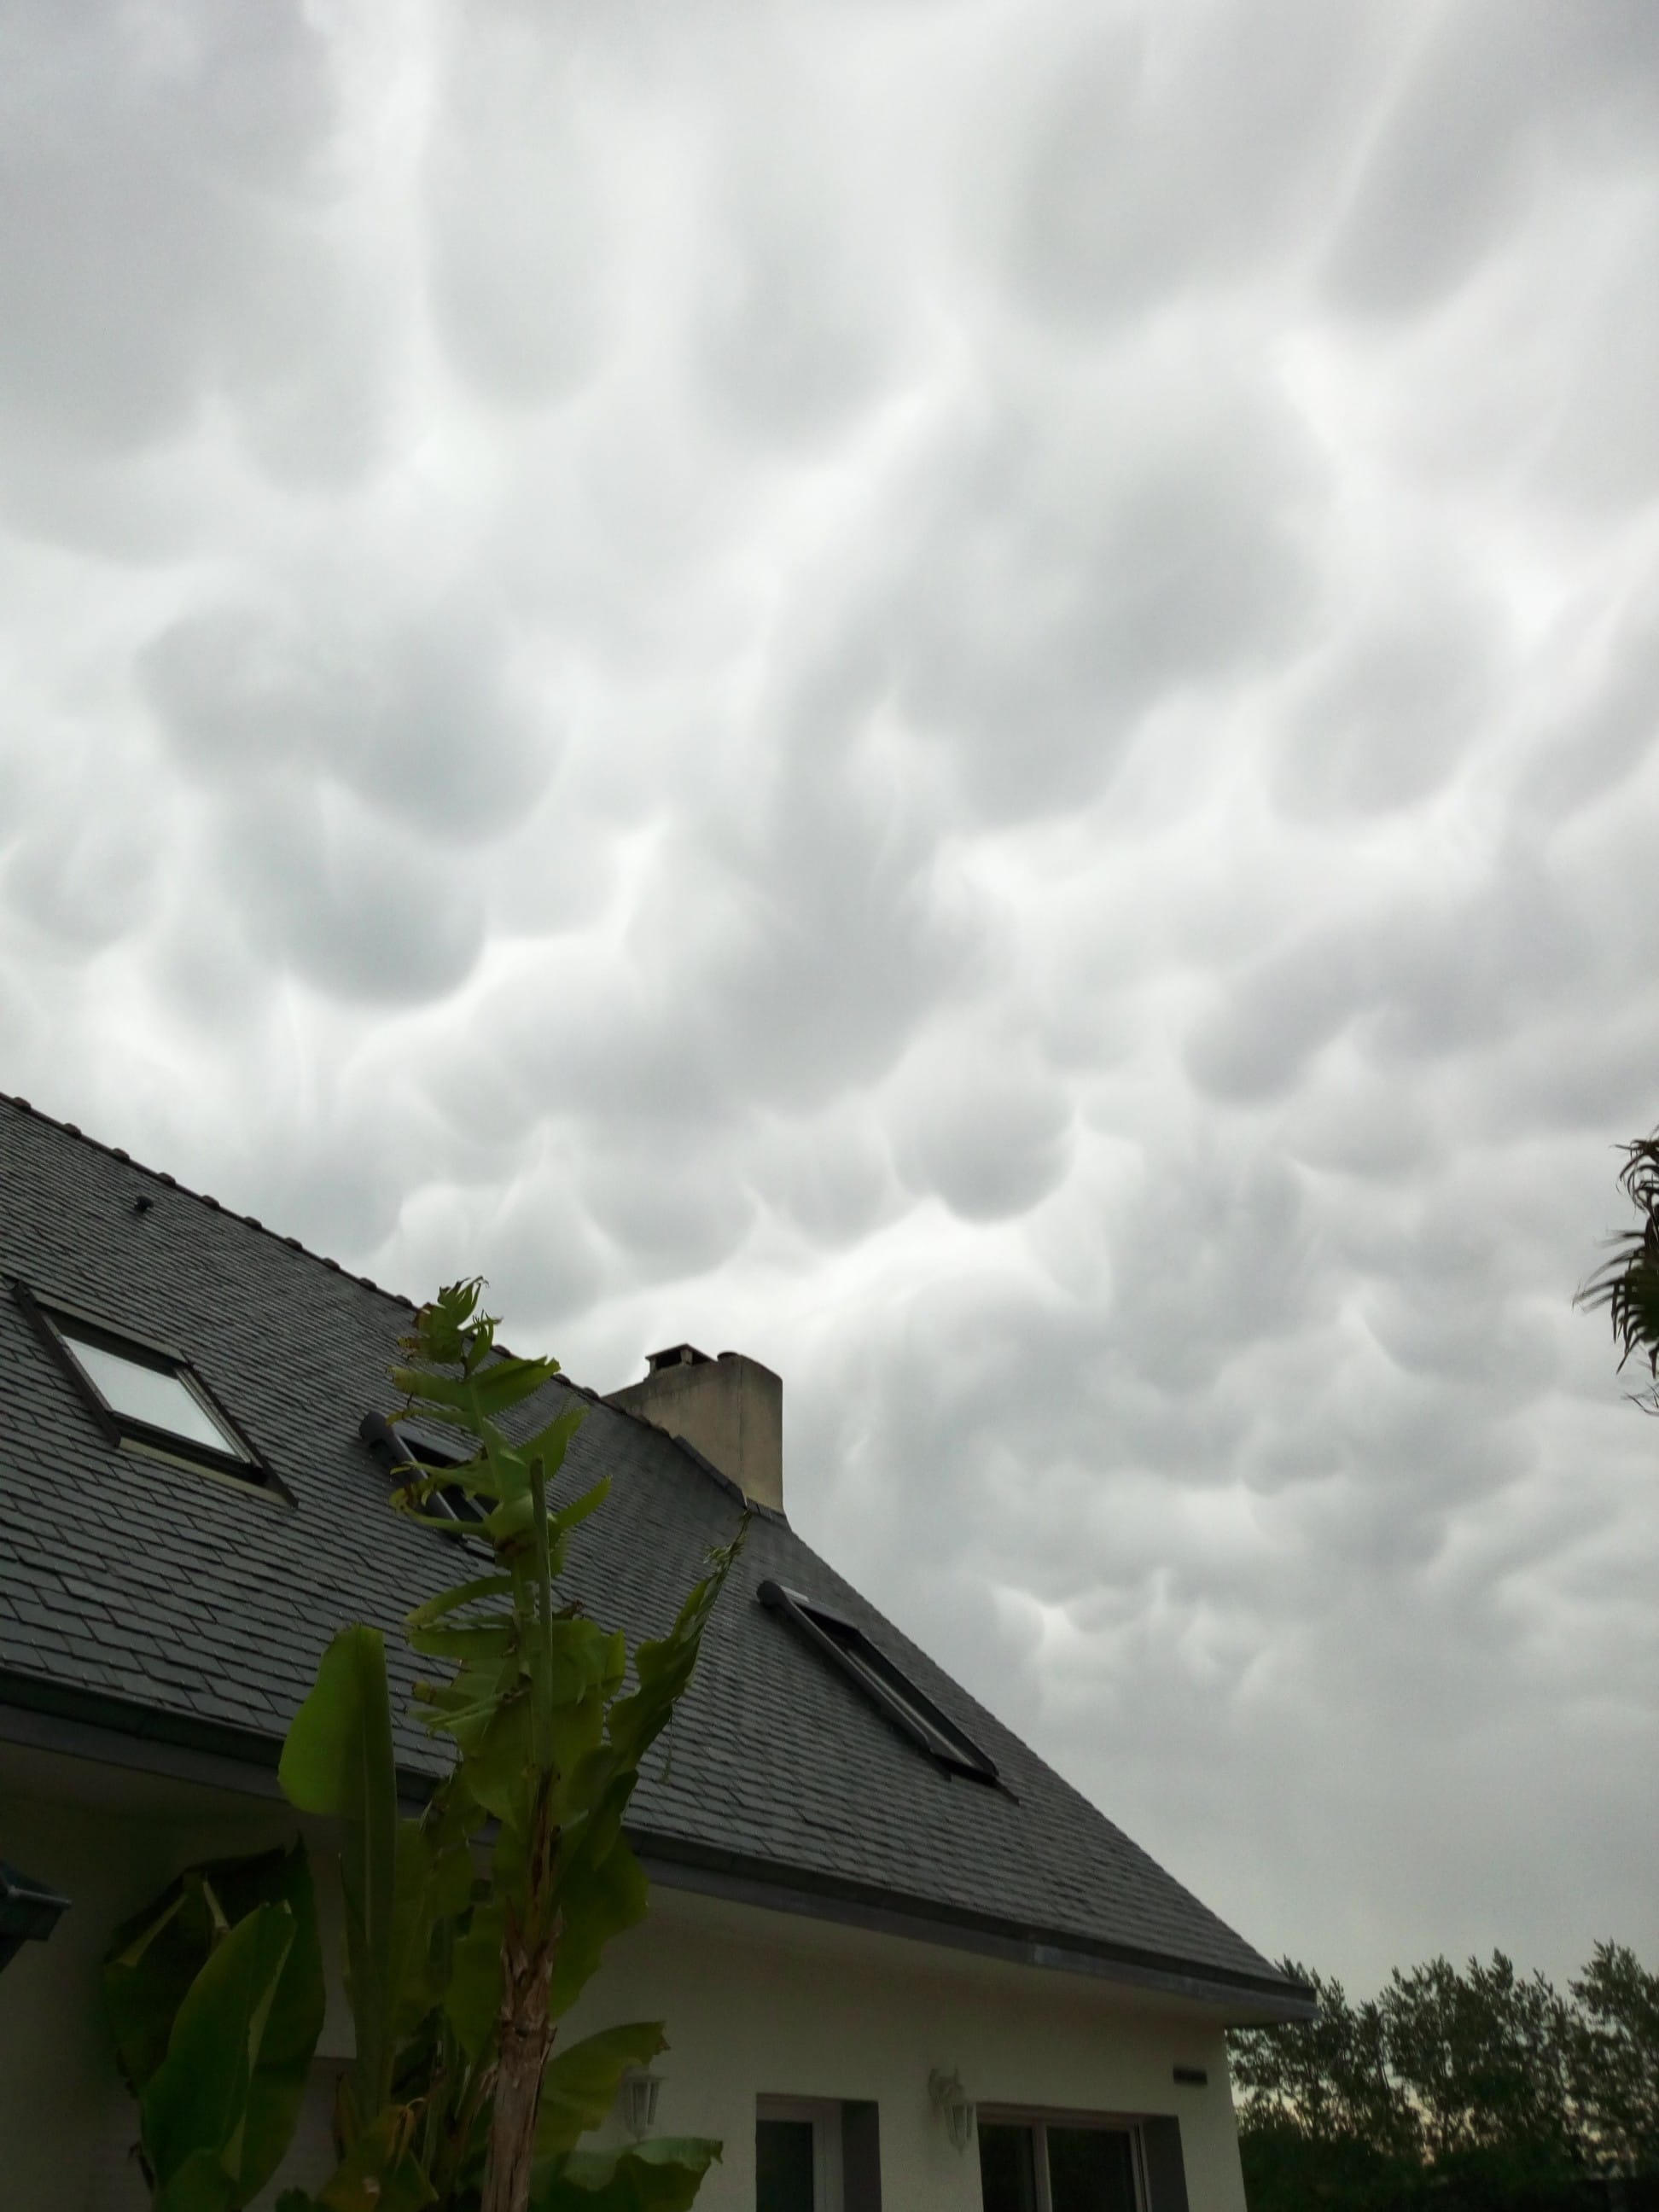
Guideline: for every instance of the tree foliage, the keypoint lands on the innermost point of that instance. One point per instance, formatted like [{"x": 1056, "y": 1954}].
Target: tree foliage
[
  {"x": 1626, "y": 1287},
  {"x": 470, "y": 1928},
  {"x": 1451, "y": 2088}
]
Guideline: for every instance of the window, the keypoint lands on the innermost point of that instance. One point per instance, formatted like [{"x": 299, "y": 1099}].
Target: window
[
  {"x": 798, "y": 2163},
  {"x": 1051, "y": 2165},
  {"x": 154, "y": 1396},
  {"x": 399, "y": 1451},
  {"x": 886, "y": 1685},
  {"x": 145, "y": 1397}
]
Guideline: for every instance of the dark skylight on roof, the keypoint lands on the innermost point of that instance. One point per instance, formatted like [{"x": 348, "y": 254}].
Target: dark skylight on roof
[
  {"x": 886, "y": 1684},
  {"x": 400, "y": 1451}
]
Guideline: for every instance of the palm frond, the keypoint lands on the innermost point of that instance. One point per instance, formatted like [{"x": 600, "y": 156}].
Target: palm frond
[{"x": 1627, "y": 1285}]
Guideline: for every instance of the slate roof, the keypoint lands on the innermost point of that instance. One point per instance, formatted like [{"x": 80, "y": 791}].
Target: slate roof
[{"x": 159, "y": 1598}]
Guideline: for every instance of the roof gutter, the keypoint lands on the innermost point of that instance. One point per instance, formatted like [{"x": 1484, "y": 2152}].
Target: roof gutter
[{"x": 76, "y": 1724}]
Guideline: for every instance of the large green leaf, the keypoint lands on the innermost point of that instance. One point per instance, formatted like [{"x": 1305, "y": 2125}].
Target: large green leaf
[
  {"x": 153, "y": 1958},
  {"x": 472, "y": 2002},
  {"x": 661, "y": 2175},
  {"x": 433, "y": 1888},
  {"x": 663, "y": 1668},
  {"x": 580, "y": 2082},
  {"x": 218, "y": 2112},
  {"x": 380, "y": 2172},
  {"x": 598, "y": 1899},
  {"x": 450, "y": 1601},
  {"x": 337, "y": 1761}
]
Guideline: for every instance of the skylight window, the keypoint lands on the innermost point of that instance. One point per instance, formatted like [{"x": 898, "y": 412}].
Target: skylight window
[
  {"x": 144, "y": 1397},
  {"x": 155, "y": 1397},
  {"x": 399, "y": 1451},
  {"x": 888, "y": 1687}
]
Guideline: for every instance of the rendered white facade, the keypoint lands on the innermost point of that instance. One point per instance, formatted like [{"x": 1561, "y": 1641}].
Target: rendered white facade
[{"x": 757, "y": 2004}]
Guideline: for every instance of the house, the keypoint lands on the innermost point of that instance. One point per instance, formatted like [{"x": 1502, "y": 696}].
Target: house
[{"x": 901, "y": 1963}]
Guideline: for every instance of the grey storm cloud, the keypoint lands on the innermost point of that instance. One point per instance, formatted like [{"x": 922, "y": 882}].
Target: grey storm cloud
[{"x": 962, "y": 695}]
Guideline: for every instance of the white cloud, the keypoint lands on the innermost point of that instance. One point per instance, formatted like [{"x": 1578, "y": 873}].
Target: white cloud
[{"x": 960, "y": 694}]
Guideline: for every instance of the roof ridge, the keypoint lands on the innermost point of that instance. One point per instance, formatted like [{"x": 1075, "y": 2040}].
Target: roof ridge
[
  {"x": 251, "y": 1221},
  {"x": 203, "y": 1197}
]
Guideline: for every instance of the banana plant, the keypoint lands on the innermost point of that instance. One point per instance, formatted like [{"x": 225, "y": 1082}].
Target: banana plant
[
  {"x": 469, "y": 1929},
  {"x": 549, "y": 1738},
  {"x": 215, "y": 1995}
]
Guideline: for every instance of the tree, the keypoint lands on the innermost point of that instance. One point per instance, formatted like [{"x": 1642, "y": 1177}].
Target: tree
[
  {"x": 1485, "y": 2059},
  {"x": 1321, "y": 2116},
  {"x": 457, "y": 1974},
  {"x": 1627, "y": 1284},
  {"x": 1616, "y": 2058},
  {"x": 1478, "y": 2087}
]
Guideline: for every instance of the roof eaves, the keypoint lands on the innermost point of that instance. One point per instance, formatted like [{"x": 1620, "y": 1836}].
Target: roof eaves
[
  {"x": 779, "y": 1887},
  {"x": 115, "y": 1731}
]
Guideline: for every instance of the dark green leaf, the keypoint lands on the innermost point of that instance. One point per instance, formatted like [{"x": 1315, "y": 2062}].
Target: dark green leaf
[
  {"x": 337, "y": 1761},
  {"x": 581, "y": 2080},
  {"x": 472, "y": 2002},
  {"x": 660, "y": 2176},
  {"x": 218, "y": 2112}
]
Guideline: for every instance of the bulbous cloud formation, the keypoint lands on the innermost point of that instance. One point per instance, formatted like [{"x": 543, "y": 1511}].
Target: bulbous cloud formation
[{"x": 961, "y": 695}]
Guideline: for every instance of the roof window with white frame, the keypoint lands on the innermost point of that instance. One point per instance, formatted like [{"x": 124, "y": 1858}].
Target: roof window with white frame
[
  {"x": 888, "y": 1687},
  {"x": 145, "y": 1398}
]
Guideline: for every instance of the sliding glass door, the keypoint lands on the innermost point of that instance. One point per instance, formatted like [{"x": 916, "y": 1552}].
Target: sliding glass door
[{"x": 1048, "y": 2166}]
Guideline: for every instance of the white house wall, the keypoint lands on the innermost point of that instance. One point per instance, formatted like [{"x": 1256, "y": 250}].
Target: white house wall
[
  {"x": 755, "y": 2003},
  {"x": 764, "y": 2004}
]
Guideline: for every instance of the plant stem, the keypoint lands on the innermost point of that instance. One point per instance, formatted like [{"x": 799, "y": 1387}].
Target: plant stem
[
  {"x": 527, "y": 2037},
  {"x": 527, "y": 2028}
]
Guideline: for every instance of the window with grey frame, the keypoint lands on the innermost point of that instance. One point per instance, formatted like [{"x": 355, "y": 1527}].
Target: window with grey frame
[
  {"x": 1067, "y": 2164},
  {"x": 144, "y": 1397},
  {"x": 888, "y": 1687}
]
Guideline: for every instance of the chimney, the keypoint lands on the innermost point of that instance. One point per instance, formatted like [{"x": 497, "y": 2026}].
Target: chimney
[{"x": 730, "y": 1409}]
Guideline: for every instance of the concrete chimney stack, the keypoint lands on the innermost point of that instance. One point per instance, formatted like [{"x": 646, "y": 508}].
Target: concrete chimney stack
[{"x": 730, "y": 1409}]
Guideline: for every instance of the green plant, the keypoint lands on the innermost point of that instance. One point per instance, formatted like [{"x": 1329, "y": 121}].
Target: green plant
[
  {"x": 1627, "y": 1284},
  {"x": 460, "y": 1959},
  {"x": 1455, "y": 2087},
  {"x": 213, "y": 1995}
]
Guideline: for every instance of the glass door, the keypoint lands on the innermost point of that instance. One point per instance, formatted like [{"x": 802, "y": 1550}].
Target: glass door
[
  {"x": 796, "y": 2155},
  {"x": 786, "y": 2166},
  {"x": 1042, "y": 2165}
]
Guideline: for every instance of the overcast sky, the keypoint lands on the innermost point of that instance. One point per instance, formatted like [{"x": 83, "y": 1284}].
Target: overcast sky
[{"x": 961, "y": 693}]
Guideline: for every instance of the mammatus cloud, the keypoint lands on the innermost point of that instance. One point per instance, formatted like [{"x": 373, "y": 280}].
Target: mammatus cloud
[{"x": 962, "y": 695}]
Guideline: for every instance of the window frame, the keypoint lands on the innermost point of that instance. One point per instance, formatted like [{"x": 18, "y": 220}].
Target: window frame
[
  {"x": 1041, "y": 2118},
  {"x": 825, "y": 2115},
  {"x": 930, "y": 1728},
  {"x": 396, "y": 1447},
  {"x": 60, "y": 1325}
]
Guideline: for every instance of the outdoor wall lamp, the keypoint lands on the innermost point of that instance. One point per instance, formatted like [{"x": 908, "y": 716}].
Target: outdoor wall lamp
[
  {"x": 953, "y": 2101},
  {"x": 641, "y": 2089},
  {"x": 28, "y": 1911}
]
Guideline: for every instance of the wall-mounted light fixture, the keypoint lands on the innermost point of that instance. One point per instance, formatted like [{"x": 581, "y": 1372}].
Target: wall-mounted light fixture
[
  {"x": 954, "y": 2102},
  {"x": 29, "y": 1911},
  {"x": 640, "y": 2091}
]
